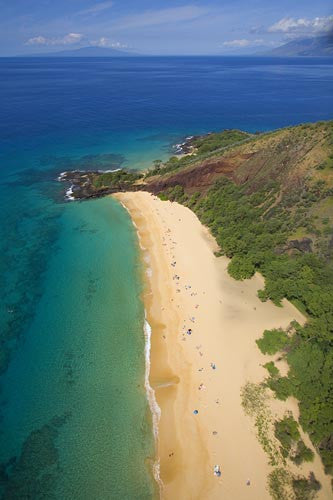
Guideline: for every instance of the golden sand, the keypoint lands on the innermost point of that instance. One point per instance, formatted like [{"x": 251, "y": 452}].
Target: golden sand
[{"x": 189, "y": 288}]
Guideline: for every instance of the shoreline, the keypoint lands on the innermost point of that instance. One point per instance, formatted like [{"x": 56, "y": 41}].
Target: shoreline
[
  {"x": 187, "y": 287},
  {"x": 150, "y": 393},
  {"x": 153, "y": 405}
]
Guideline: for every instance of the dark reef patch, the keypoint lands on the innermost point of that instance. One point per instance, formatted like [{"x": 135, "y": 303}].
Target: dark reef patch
[
  {"x": 32, "y": 475},
  {"x": 102, "y": 161}
]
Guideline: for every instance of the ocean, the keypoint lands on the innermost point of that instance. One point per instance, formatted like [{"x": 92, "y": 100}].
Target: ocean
[{"x": 74, "y": 417}]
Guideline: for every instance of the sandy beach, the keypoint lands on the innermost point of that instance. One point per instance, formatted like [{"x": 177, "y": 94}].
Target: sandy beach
[{"x": 203, "y": 351}]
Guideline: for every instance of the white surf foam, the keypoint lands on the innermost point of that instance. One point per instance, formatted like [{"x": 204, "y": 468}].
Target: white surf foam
[
  {"x": 69, "y": 194},
  {"x": 109, "y": 171},
  {"x": 153, "y": 405},
  {"x": 61, "y": 176}
]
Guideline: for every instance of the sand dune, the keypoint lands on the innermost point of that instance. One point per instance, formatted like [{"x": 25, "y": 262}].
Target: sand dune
[{"x": 204, "y": 327}]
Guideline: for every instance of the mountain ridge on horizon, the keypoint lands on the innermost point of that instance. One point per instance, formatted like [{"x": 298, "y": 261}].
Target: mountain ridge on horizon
[
  {"x": 319, "y": 46},
  {"x": 89, "y": 51}
]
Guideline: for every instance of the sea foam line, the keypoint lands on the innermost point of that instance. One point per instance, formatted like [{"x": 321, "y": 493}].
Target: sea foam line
[
  {"x": 150, "y": 393},
  {"x": 153, "y": 405},
  {"x": 69, "y": 194}
]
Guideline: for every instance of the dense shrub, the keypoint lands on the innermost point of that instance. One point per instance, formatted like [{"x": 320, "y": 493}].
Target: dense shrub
[
  {"x": 273, "y": 341},
  {"x": 272, "y": 369},
  {"x": 286, "y": 431},
  {"x": 241, "y": 268}
]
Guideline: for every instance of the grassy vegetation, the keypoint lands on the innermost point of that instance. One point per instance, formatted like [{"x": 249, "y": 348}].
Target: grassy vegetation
[
  {"x": 254, "y": 402},
  {"x": 279, "y": 482},
  {"x": 216, "y": 141},
  {"x": 254, "y": 227},
  {"x": 119, "y": 179}
]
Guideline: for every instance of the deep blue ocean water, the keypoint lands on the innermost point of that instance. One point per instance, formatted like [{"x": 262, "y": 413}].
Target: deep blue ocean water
[{"x": 74, "y": 421}]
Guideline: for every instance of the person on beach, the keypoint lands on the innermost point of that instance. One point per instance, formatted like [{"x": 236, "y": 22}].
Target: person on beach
[{"x": 217, "y": 470}]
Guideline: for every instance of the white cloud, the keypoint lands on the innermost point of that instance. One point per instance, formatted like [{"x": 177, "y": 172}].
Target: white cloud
[
  {"x": 37, "y": 40},
  {"x": 96, "y": 9},
  {"x": 302, "y": 25},
  {"x": 243, "y": 43},
  {"x": 69, "y": 39},
  {"x": 106, "y": 42},
  {"x": 75, "y": 38}
]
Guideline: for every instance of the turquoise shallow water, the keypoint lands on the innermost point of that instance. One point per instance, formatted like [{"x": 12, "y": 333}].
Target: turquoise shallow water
[
  {"x": 74, "y": 419},
  {"x": 77, "y": 378}
]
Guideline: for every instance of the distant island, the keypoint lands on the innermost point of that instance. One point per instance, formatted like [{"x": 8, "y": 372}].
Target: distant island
[
  {"x": 86, "y": 52},
  {"x": 320, "y": 46}
]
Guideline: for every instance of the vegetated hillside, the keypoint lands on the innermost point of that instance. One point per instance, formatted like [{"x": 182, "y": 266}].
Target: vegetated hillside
[
  {"x": 291, "y": 169},
  {"x": 268, "y": 202}
]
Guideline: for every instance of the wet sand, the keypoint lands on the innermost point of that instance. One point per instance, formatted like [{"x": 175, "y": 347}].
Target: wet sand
[{"x": 204, "y": 326}]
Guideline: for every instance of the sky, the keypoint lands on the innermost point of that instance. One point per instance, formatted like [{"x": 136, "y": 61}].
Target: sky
[{"x": 159, "y": 26}]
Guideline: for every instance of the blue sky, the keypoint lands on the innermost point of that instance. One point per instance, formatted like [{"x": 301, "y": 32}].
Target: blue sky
[{"x": 159, "y": 26}]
